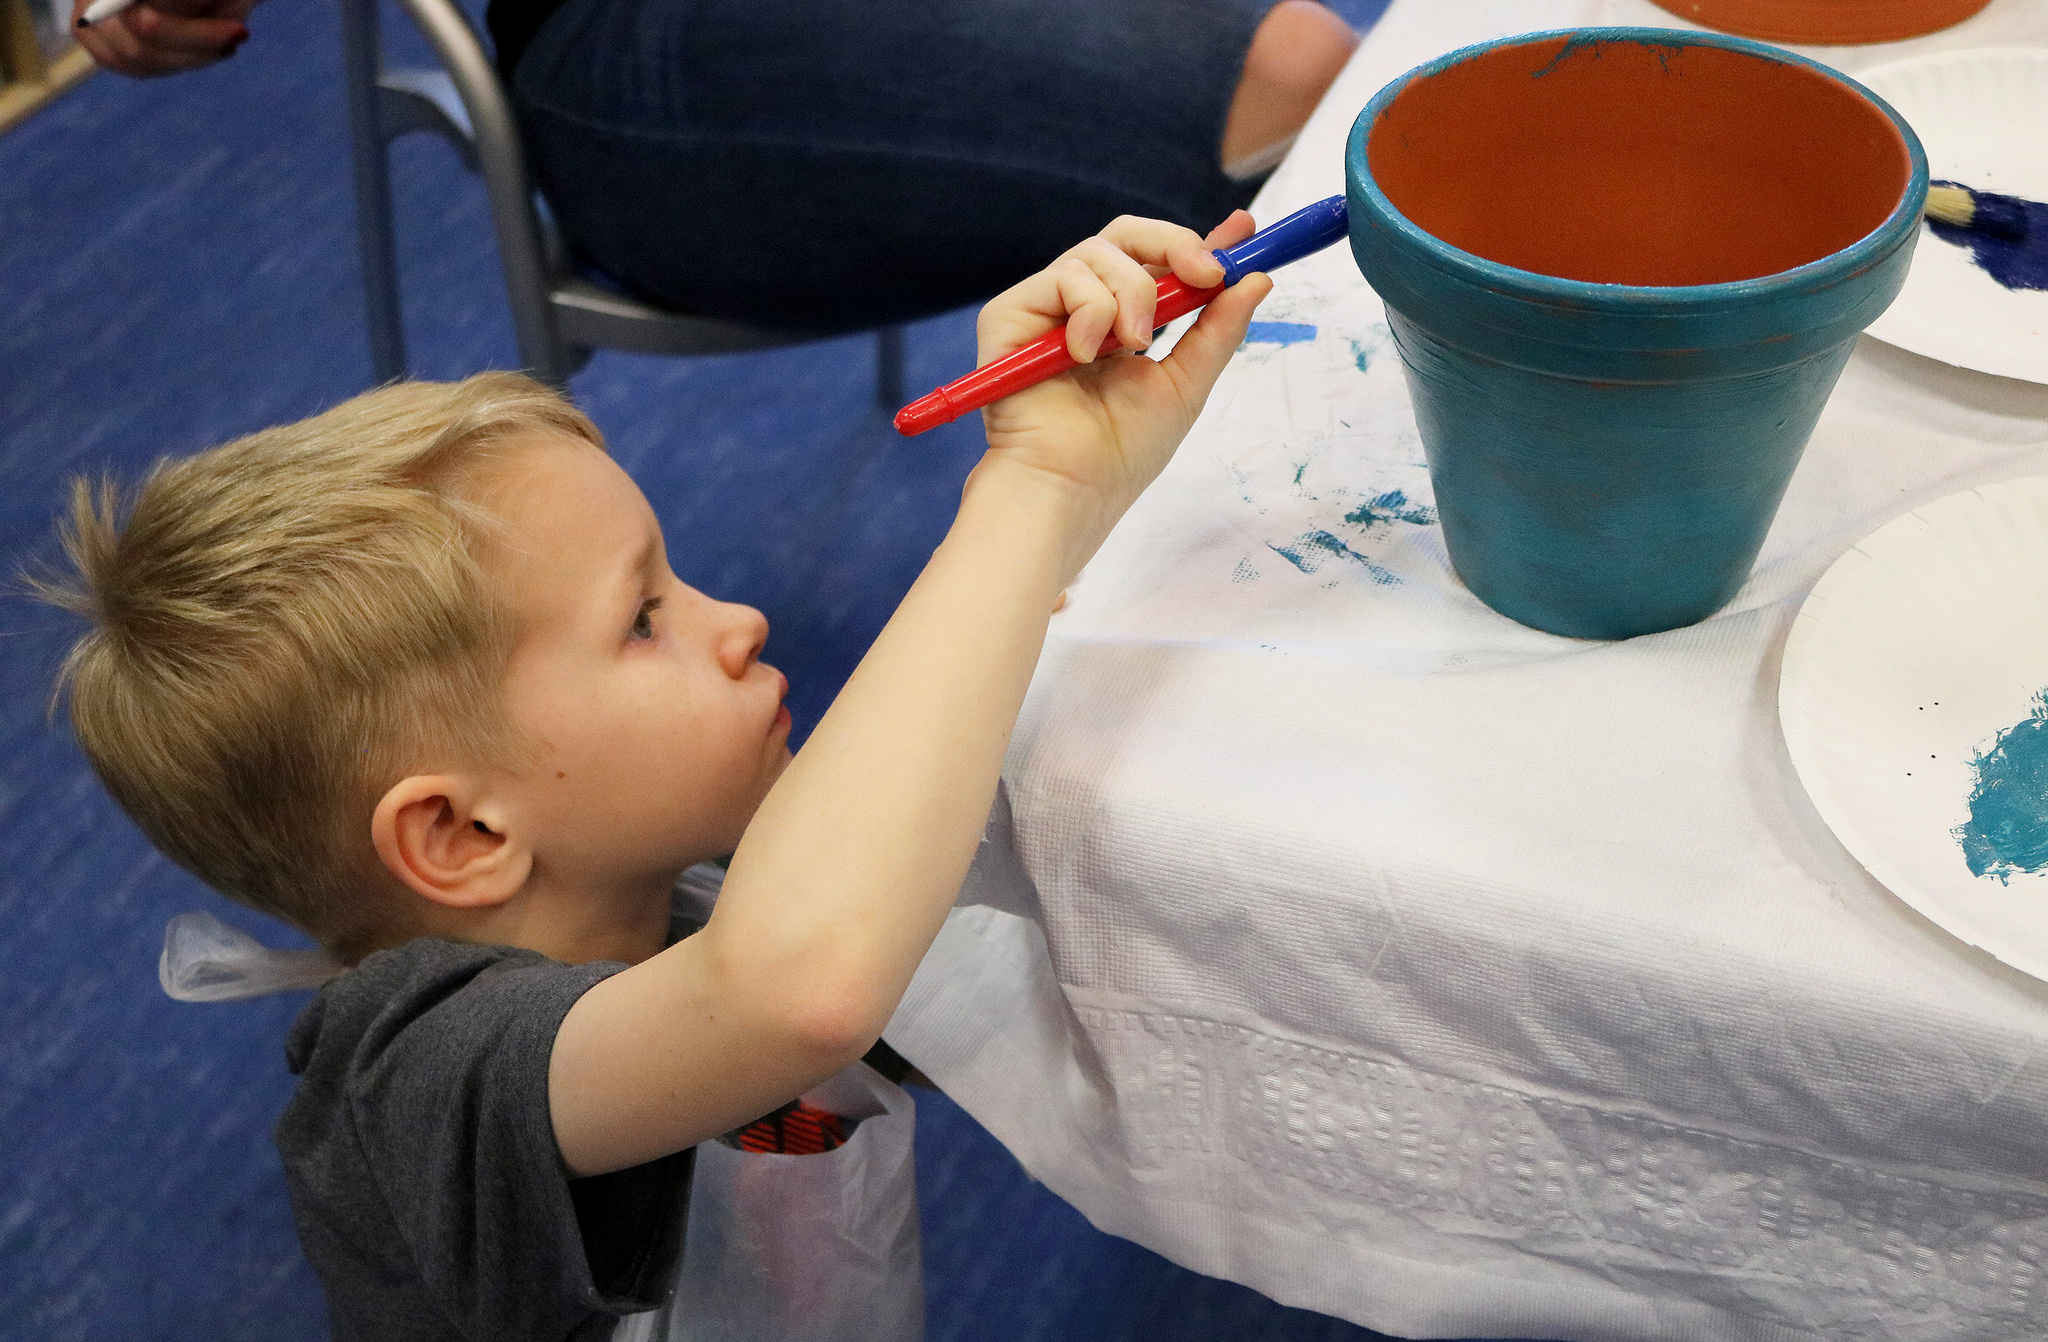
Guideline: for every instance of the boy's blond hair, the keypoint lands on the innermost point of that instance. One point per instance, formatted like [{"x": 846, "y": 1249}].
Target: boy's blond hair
[{"x": 287, "y": 625}]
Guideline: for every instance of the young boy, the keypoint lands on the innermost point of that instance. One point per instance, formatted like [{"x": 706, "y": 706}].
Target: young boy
[{"x": 415, "y": 675}]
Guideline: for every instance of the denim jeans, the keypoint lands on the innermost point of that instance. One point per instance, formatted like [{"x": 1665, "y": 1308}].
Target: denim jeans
[{"x": 832, "y": 166}]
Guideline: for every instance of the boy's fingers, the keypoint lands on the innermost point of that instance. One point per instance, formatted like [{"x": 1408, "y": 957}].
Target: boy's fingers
[
  {"x": 1200, "y": 355},
  {"x": 1194, "y": 261},
  {"x": 1136, "y": 290},
  {"x": 1027, "y": 310},
  {"x": 1108, "y": 282},
  {"x": 1231, "y": 231},
  {"x": 1089, "y": 304},
  {"x": 1152, "y": 241}
]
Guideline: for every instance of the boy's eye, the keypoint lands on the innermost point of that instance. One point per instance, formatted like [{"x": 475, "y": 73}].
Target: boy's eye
[{"x": 643, "y": 623}]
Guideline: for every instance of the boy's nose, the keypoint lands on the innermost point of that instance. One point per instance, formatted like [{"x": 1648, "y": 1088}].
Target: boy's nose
[{"x": 744, "y": 634}]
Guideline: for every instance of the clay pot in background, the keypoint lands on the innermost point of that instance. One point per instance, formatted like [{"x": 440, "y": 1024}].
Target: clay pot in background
[
  {"x": 1624, "y": 268},
  {"x": 1826, "y": 22}
]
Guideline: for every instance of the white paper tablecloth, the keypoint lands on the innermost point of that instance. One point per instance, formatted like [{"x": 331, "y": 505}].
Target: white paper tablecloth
[{"x": 1461, "y": 980}]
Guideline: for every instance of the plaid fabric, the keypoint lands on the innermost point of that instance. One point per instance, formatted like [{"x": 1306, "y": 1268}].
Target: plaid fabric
[{"x": 796, "y": 1129}]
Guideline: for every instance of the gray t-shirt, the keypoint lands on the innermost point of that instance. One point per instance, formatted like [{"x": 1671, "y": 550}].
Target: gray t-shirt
[{"x": 429, "y": 1193}]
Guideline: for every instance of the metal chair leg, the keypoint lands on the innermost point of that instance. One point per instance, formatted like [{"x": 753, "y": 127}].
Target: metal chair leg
[
  {"x": 889, "y": 367},
  {"x": 361, "y": 61}
]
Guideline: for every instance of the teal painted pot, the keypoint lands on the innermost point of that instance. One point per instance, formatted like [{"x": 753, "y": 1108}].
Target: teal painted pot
[{"x": 1624, "y": 267}]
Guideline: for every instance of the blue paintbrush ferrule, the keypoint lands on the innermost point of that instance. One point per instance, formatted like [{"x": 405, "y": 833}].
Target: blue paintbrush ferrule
[{"x": 1299, "y": 234}]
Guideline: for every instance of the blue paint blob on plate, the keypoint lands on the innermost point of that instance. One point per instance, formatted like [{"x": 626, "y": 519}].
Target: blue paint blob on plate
[
  {"x": 2016, "y": 263},
  {"x": 2007, "y": 832}
]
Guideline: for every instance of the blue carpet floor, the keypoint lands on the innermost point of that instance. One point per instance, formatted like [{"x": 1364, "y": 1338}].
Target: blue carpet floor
[{"x": 177, "y": 267}]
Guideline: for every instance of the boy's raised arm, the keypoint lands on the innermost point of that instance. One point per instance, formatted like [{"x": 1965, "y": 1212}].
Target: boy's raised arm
[{"x": 848, "y": 868}]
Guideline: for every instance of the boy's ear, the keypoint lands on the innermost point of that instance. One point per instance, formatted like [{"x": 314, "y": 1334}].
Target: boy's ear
[{"x": 429, "y": 835}]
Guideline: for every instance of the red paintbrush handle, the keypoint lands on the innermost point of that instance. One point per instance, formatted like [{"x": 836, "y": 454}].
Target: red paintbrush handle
[{"x": 1042, "y": 358}]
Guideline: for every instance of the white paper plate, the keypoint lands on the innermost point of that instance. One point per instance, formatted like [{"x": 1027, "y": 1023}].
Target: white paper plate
[
  {"x": 1983, "y": 116},
  {"x": 1913, "y": 655}
]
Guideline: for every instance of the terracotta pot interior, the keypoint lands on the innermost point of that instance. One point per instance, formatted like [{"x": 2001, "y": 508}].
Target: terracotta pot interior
[{"x": 1624, "y": 163}]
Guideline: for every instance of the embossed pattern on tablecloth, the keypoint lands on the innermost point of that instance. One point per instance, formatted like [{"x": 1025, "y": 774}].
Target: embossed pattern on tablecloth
[{"x": 1619, "y": 1194}]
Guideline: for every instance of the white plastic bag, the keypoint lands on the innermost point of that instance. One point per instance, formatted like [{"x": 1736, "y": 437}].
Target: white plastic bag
[
  {"x": 205, "y": 960},
  {"x": 821, "y": 1248}
]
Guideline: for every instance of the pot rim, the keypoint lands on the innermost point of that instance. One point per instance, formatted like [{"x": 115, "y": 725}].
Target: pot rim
[{"x": 1824, "y": 272}]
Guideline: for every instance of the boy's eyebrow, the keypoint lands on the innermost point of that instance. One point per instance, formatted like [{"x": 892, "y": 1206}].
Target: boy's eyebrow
[{"x": 644, "y": 557}]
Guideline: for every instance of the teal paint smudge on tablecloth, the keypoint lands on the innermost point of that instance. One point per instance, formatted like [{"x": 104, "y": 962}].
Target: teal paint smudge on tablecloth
[
  {"x": 2007, "y": 832},
  {"x": 1314, "y": 549},
  {"x": 1389, "y": 508}
]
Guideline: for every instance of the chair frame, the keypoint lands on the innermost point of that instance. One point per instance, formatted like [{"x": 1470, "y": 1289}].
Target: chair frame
[{"x": 558, "y": 316}]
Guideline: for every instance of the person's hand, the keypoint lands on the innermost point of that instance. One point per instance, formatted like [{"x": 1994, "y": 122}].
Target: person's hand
[
  {"x": 162, "y": 37},
  {"x": 1110, "y": 426}
]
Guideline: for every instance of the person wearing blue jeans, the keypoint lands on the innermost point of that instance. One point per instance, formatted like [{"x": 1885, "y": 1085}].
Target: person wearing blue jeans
[{"x": 946, "y": 147}]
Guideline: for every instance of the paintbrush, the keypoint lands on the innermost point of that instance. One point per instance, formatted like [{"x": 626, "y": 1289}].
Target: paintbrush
[
  {"x": 1300, "y": 234},
  {"x": 1978, "y": 211}
]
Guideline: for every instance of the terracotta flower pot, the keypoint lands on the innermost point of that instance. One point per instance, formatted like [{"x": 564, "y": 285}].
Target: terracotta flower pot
[
  {"x": 1624, "y": 267},
  {"x": 1826, "y": 22}
]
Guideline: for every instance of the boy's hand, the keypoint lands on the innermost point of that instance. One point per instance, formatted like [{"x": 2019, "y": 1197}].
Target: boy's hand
[{"x": 1110, "y": 426}]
